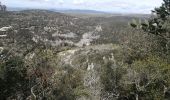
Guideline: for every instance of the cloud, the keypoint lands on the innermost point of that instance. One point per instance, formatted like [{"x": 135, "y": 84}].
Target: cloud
[
  {"x": 38, "y": 0},
  {"x": 78, "y": 2},
  {"x": 61, "y": 2},
  {"x": 137, "y": 6}
]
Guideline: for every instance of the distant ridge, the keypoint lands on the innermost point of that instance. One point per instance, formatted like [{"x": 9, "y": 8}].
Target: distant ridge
[
  {"x": 58, "y": 10},
  {"x": 81, "y": 12}
]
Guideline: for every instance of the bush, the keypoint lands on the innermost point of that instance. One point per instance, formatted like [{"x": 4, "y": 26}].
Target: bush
[
  {"x": 13, "y": 78},
  {"x": 148, "y": 78}
]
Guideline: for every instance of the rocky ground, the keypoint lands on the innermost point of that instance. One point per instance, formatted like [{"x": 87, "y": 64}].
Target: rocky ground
[
  {"x": 83, "y": 44},
  {"x": 90, "y": 59}
]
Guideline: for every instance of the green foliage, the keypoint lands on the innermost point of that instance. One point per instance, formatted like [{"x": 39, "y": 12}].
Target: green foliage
[
  {"x": 13, "y": 78},
  {"x": 110, "y": 76},
  {"x": 158, "y": 25},
  {"x": 37, "y": 72},
  {"x": 68, "y": 84},
  {"x": 149, "y": 78},
  {"x": 145, "y": 79}
]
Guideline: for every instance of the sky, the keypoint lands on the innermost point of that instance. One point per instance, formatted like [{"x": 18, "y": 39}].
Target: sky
[{"x": 116, "y": 6}]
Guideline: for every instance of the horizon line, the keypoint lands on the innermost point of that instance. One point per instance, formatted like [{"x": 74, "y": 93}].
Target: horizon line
[{"x": 66, "y": 9}]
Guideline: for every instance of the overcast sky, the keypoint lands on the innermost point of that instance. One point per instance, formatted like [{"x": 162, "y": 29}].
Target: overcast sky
[{"x": 119, "y": 6}]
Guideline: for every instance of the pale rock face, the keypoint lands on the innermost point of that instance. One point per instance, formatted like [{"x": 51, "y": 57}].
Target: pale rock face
[
  {"x": 32, "y": 28},
  {"x": 3, "y": 35},
  {"x": 99, "y": 28},
  {"x": 155, "y": 24},
  {"x": 66, "y": 56},
  {"x": 1, "y": 49},
  {"x": 75, "y": 18},
  {"x": 87, "y": 38},
  {"x": 50, "y": 28},
  {"x": 71, "y": 23},
  {"x": 30, "y": 56},
  {"x": 36, "y": 38},
  {"x": 4, "y": 29},
  {"x": 56, "y": 43},
  {"x": 46, "y": 28},
  {"x": 68, "y": 35},
  {"x": 55, "y": 34},
  {"x": 59, "y": 42},
  {"x": 90, "y": 66}
]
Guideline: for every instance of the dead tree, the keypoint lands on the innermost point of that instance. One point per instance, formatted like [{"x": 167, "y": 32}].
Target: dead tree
[{"x": 2, "y": 7}]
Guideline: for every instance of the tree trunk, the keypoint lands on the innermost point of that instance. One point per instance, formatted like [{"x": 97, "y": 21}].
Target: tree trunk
[
  {"x": 168, "y": 50},
  {"x": 137, "y": 96}
]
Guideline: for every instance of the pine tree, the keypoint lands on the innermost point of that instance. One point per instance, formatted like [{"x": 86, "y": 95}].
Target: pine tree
[{"x": 159, "y": 25}]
